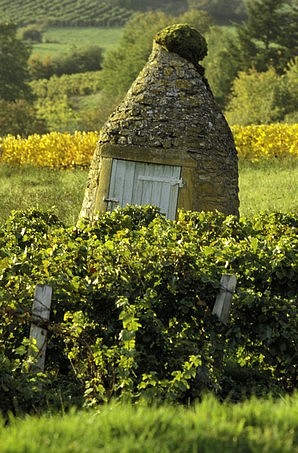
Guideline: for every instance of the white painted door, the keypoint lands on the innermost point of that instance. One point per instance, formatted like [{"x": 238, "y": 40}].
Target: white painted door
[{"x": 143, "y": 183}]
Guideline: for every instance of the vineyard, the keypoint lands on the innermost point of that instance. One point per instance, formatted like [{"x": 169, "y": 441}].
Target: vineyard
[
  {"x": 71, "y": 150},
  {"x": 131, "y": 318},
  {"x": 63, "y": 13},
  {"x": 131, "y": 312}
]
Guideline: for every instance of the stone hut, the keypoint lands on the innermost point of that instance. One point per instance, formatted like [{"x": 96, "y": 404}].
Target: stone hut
[{"x": 167, "y": 143}]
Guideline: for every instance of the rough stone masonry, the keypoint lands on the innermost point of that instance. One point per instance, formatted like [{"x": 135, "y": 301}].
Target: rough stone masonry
[{"x": 168, "y": 112}]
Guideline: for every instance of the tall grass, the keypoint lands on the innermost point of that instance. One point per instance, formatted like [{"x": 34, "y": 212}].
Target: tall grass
[
  {"x": 270, "y": 185},
  {"x": 253, "y": 426}
]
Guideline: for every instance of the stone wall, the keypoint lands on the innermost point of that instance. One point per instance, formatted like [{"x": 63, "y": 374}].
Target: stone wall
[{"x": 170, "y": 108}]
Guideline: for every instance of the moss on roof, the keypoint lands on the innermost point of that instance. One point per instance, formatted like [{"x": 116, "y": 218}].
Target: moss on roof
[{"x": 183, "y": 40}]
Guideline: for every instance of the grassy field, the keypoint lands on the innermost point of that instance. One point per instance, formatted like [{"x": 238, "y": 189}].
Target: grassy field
[
  {"x": 265, "y": 186},
  {"x": 270, "y": 185},
  {"x": 60, "y": 41},
  {"x": 60, "y": 191},
  {"x": 253, "y": 426}
]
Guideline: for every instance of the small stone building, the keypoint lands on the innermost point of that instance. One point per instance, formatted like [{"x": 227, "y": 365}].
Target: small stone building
[{"x": 167, "y": 143}]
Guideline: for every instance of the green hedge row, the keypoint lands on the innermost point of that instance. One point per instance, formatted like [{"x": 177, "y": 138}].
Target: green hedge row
[{"x": 131, "y": 314}]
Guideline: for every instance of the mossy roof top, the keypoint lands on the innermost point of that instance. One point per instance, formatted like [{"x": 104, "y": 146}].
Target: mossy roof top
[
  {"x": 183, "y": 40},
  {"x": 170, "y": 105}
]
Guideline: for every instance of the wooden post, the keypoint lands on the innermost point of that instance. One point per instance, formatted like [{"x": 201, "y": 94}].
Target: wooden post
[
  {"x": 223, "y": 300},
  {"x": 38, "y": 331}
]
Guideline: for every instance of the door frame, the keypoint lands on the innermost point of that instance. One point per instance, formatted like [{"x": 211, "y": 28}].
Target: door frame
[
  {"x": 148, "y": 155},
  {"x": 144, "y": 183}
]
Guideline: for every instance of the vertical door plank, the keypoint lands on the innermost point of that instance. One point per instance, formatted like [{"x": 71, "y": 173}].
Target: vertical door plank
[{"x": 144, "y": 183}]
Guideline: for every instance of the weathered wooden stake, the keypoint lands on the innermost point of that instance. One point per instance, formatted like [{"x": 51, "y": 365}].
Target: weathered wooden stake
[
  {"x": 223, "y": 300},
  {"x": 38, "y": 331}
]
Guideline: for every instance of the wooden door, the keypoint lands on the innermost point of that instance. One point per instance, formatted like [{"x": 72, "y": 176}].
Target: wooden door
[{"x": 142, "y": 183}]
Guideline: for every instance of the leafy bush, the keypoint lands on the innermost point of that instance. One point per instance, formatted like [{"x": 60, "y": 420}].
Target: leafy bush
[
  {"x": 78, "y": 61},
  {"x": 20, "y": 118},
  {"x": 31, "y": 33},
  {"x": 132, "y": 300},
  {"x": 263, "y": 97}
]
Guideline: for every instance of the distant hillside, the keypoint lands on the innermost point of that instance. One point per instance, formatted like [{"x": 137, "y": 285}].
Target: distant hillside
[
  {"x": 107, "y": 13},
  {"x": 64, "y": 12}
]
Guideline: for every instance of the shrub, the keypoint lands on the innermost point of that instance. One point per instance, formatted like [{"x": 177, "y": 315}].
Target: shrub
[
  {"x": 78, "y": 61},
  {"x": 31, "y": 33},
  {"x": 262, "y": 97},
  {"x": 39, "y": 68},
  {"x": 20, "y": 118},
  {"x": 51, "y": 150}
]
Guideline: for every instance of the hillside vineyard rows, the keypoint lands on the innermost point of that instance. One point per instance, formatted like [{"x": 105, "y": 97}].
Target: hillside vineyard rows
[{"x": 73, "y": 12}]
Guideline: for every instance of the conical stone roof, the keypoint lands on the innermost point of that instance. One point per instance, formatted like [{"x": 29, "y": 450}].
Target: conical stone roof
[{"x": 170, "y": 107}]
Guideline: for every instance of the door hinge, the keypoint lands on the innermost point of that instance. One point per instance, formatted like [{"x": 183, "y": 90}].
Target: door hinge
[
  {"x": 110, "y": 200},
  {"x": 178, "y": 182},
  {"x": 171, "y": 181}
]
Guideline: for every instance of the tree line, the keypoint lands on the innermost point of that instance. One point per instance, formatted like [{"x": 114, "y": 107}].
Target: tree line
[{"x": 257, "y": 56}]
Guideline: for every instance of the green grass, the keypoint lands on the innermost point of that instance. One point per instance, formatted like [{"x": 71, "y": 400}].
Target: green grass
[
  {"x": 265, "y": 186},
  {"x": 60, "y": 41},
  {"x": 253, "y": 426},
  {"x": 60, "y": 191},
  {"x": 269, "y": 185}
]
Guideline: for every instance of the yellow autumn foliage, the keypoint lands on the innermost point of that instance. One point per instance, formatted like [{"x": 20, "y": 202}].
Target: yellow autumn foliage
[
  {"x": 54, "y": 149},
  {"x": 67, "y": 150},
  {"x": 264, "y": 141}
]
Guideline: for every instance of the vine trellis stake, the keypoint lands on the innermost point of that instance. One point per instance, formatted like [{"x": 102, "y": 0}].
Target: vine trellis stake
[
  {"x": 39, "y": 326},
  {"x": 223, "y": 300}
]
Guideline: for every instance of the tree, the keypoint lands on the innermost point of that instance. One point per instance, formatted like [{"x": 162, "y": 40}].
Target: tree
[
  {"x": 291, "y": 81},
  {"x": 223, "y": 11},
  {"x": 269, "y": 35},
  {"x": 14, "y": 55},
  {"x": 31, "y": 33},
  {"x": 121, "y": 66},
  {"x": 198, "y": 19},
  {"x": 220, "y": 66},
  {"x": 41, "y": 68},
  {"x": 20, "y": 118},
  {"x": 259, "y": 98}
]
